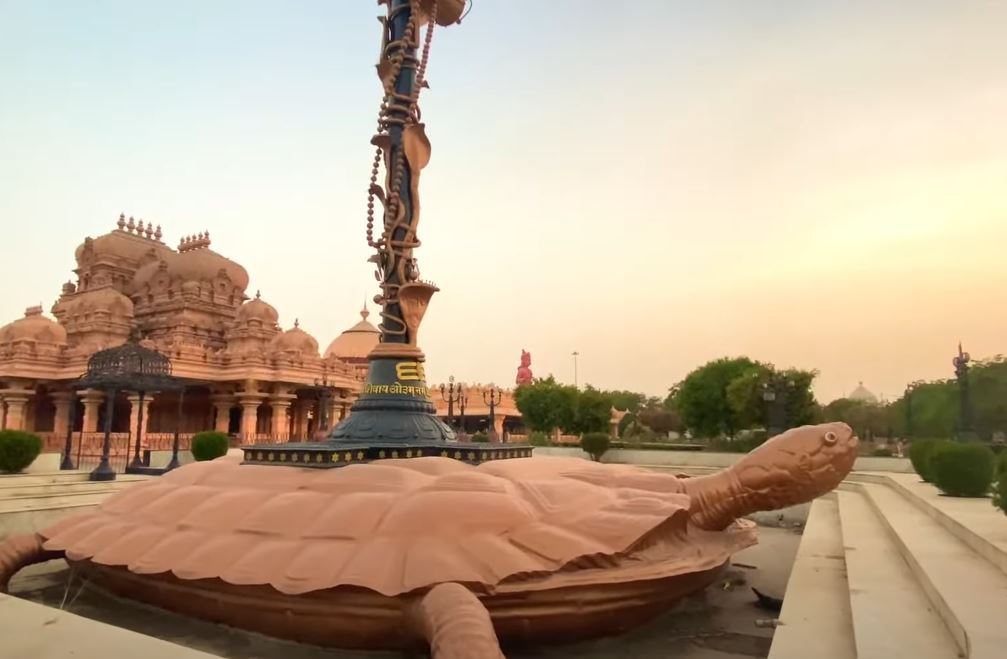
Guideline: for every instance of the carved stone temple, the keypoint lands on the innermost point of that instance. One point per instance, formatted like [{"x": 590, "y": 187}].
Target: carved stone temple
[{"x": 256, "y": 380}]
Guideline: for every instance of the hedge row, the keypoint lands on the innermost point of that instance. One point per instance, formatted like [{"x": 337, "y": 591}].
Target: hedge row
[{"x": 957, "y": 469}]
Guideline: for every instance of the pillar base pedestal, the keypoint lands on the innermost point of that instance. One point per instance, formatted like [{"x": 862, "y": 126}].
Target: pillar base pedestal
[{"x": 393, "y": 419}]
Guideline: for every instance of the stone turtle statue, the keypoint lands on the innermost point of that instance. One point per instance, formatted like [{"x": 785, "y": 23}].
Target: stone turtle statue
[{"x": 398, "y": 553}]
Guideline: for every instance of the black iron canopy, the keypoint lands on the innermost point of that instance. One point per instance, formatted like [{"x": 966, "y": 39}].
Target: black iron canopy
[{"x": 130, "y": 366}]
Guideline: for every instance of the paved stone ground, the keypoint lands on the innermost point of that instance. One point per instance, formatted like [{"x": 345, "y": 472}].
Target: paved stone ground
[{"x": 718, "y": 624}]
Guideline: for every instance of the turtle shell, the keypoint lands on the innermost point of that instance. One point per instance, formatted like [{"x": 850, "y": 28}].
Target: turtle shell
[{"x": 396, "y": 526}]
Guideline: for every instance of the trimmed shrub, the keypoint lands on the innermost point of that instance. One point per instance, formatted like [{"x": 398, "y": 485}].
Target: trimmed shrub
[
  {"x": 480, "y": 438},
  {"x": 1000, "y": 492},
  {"x": 18, "y": 449},
  {"x": 1001, "y": 472},
  {"x": 881, "y": 452},
  {"x": 595, "y": 444},
  {"x": 538, "y": 439},
  {"x": 208, "y": 445},
  {"x": 919, "y": 454},
  {"x": 962, "y": 470}
]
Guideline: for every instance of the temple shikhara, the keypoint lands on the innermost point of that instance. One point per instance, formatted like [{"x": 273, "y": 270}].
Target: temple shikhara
[{"x": 248, "y": 376}]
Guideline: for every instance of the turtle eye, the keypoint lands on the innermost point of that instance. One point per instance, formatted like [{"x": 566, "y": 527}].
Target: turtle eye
[{"x": 830, "y": 438}]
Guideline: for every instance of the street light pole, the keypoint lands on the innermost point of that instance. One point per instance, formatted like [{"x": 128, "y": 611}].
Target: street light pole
[{"x": 575, "y": 355}]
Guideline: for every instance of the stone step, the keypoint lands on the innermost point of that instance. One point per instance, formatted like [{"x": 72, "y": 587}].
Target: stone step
[
  {"x": 69, "y": 487},
  {"x": 974, "y": 521},
  {"x": 892, "y": 616},
  {"x": 12, "y": 480},
  {"x": 967, "y": 591},
  {"x": 816, "y": 620},
  {"x": 48, "y": 501}
]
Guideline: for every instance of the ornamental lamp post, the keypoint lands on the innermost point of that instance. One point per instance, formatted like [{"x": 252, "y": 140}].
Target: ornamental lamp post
[
  {"x": 323, "y": 399},
  {"x": 450, "y": 396},
  {"x": 137, "y": 462},
  {"x": 492, "y": 397},
  {"x": 67, "y": 462},
  {"x": 776, "y": 392},
  {"x": 463, "y": 399}
]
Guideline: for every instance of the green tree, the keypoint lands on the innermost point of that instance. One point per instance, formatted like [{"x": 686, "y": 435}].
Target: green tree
[
  {"x": 701, "y": 399},
  {"x": 934, "y": 411},
  {"x": 867, "y": 419},
  {"x": 988, "y": 384},
  {"x": 660, "y": 420},
  {"x": 546, "y": 405},
  {"x": 626, "y": 401},
  {"x": 593, "y": 411},
  {"x": 802, "y": 407},
  {"x": 745, "y": 396}
]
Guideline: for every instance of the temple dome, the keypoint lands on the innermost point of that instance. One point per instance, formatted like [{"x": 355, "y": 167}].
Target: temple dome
[
  {"x": 120, "y": 244},
  {"x": 357, "y": 342},
  {"x": 105, "y": 301},
  {"x": 862, "y": 394},
  {"x": 33, "y": 327},
  {"x": 256, "y": 310},
  {"x": 295, "y": 340},
  {"x": 191, "y": 265}
]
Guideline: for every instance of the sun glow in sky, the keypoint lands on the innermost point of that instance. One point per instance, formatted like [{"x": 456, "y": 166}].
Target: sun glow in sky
[{"x": 652, "y": 183}]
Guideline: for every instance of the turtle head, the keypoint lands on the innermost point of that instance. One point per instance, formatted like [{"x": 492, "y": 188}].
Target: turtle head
[
  {"x": 804, "y": 462},
  {"x": 791, "y": 468},
  {"x": 815, "y": 458},
  {"x": 826, "y": 445}
]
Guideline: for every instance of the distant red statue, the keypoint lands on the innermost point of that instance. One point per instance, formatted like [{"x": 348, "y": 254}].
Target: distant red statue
[{"x": 524, "y": 375}]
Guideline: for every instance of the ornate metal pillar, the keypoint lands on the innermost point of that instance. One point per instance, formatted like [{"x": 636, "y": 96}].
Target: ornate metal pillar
[
  {"x": 966, "y": 424},
  {"x": 395, "y": 406}
]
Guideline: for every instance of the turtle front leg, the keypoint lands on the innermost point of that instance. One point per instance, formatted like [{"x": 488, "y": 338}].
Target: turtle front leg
[
  {"x": 455, "y": 624},
  {"x": 20, "y": 551}
]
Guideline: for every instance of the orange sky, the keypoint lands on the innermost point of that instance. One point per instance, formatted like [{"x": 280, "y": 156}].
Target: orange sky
[{"x": 813, "y": 184}]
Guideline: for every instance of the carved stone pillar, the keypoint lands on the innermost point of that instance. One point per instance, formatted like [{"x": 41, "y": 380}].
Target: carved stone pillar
[
  {"x": 92, "y": 399},
  {"x": 301, "y": 407},
  {"x": 249, "y": 414},
  {"x": 3, "y": 414},
  {"x": 280, "y": 403},
  {"x": 134, "y": 416},
  {"x": 222, "y": 404},
  {"x": 17, "y": 402},
  {"x": 61, "y": 420}
]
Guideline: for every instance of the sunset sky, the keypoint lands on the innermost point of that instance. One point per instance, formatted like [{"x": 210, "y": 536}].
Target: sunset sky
[{"x": 653, "y": 183}]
